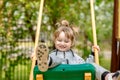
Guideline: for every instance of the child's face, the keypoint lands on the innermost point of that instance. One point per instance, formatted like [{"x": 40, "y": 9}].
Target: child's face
[{"x": 63, "y": 43}]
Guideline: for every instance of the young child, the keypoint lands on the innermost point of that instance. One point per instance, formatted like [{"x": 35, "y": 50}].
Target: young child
[{"x": 64, "y": 38}]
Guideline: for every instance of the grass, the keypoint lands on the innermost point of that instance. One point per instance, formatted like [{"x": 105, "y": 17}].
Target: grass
[
  {"x": 21, "y": 72},
  {"x": 105, "y": 63}
]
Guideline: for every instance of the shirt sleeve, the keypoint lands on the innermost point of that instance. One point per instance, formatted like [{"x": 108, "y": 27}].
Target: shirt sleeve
[
  {"x": 90, "y": 59},
  {"x": 79, "y": 60},
  {"x": 54, "y": 60}
]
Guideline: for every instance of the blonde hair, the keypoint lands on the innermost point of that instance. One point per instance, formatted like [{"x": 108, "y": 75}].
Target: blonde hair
[{"x": 64, "y": 26}]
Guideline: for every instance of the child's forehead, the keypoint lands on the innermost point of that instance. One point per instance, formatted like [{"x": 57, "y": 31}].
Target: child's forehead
[
  {"x": 63, "y": 34},
  {"x": 63, "y": 38}
]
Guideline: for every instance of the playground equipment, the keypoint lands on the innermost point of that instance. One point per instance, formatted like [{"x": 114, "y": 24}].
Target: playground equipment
[
  {"x": 118, "y": 37},
  {"x": 94, "y": 31},
  {"x": 36, "y": 38},
  {"x": 119, "y": 22},
  {"x": 64, "y": 72},
  {"x": 115, "y": 57}
]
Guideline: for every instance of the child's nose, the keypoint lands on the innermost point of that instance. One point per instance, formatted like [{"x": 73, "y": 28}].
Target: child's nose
[{"x": 62, "y": 42}]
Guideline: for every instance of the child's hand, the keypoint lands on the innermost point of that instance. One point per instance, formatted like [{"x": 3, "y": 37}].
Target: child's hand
[
  {"x": 32, "y": 56},
  {"x": 95, "y": 48}
]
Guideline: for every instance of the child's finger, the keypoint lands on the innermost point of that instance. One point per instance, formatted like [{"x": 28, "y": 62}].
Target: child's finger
[{"x": 95, "y": 47}]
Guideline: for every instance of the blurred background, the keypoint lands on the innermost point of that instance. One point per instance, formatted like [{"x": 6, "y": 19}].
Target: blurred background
[{"x": 18, "y": 23}]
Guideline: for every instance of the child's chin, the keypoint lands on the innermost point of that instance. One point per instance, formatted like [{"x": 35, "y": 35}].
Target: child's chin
[{"x": 62, "y": 49}]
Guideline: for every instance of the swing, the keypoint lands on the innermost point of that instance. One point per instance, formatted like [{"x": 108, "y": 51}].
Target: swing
[{"x": 64, "y": 71}]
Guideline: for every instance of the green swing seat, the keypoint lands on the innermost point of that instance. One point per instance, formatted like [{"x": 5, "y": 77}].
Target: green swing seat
[{"x": 66, "y": 72}]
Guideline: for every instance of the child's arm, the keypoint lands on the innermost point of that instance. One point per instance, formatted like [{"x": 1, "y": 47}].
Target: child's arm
[{"x": 91, "y": 56}]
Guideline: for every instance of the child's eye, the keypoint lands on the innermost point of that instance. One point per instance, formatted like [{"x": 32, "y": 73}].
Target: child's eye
[
  {"x": 66, "y": 41},
  {"x": 59, "y": 40}
]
